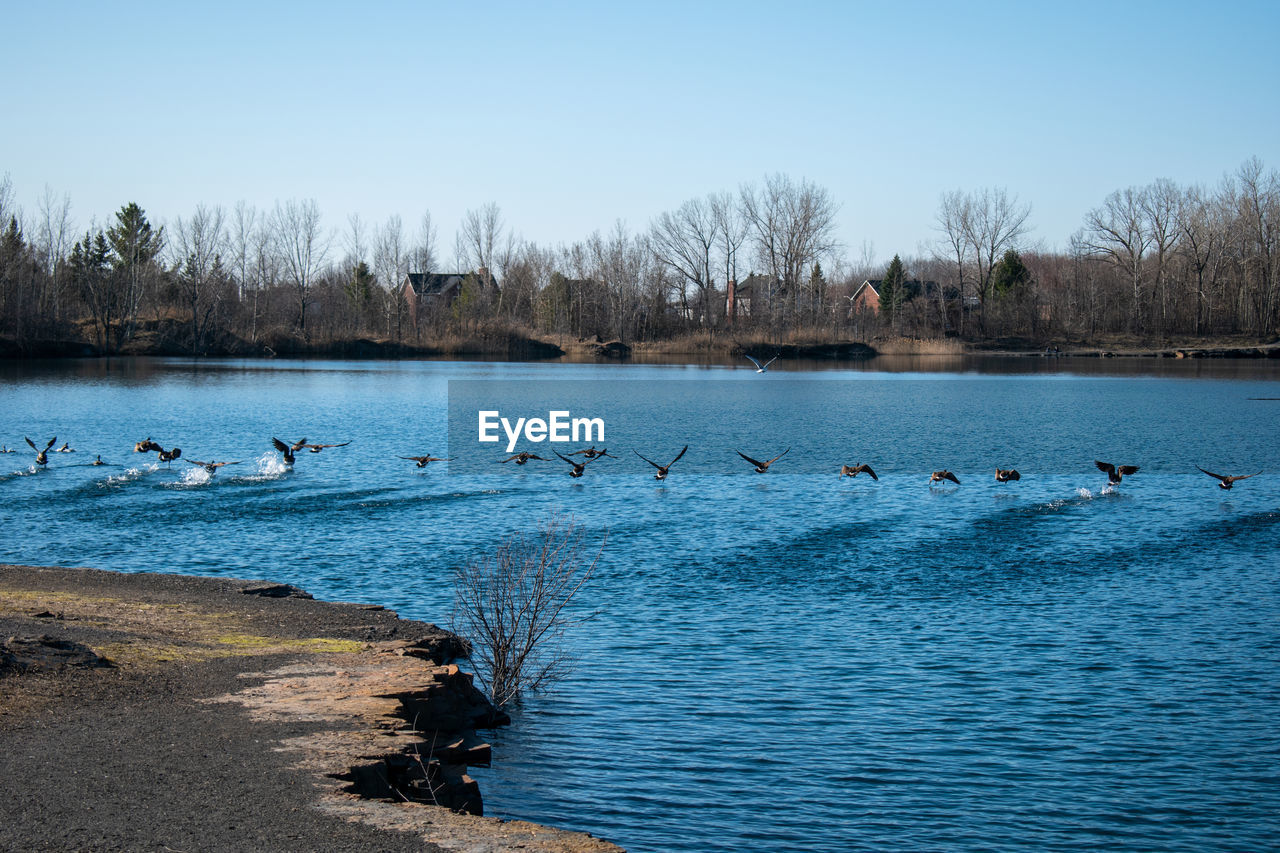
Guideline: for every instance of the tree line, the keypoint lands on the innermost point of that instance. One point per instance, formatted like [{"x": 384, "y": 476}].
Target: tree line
[{"x": 1149, "y": 262}]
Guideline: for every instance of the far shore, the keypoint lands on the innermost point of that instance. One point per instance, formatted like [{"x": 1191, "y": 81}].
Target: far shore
[{"x": 695, "y": 348}]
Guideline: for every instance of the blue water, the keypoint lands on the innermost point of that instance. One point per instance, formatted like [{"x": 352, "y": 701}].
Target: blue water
[{"x": 788, "y": 661}]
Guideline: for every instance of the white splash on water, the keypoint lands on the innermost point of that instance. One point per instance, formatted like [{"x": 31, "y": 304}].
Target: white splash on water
[
  {"x": 195, "y": 477},
  {"x": 270, "y": 466}
]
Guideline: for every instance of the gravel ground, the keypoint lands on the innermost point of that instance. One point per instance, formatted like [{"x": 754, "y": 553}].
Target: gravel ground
[{"x": 134, "y": 756}]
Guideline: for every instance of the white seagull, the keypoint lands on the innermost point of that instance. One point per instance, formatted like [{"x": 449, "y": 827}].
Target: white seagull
[{"x": 761, "y": 368}]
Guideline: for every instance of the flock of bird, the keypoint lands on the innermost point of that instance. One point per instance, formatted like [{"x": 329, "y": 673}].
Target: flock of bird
[{"x": 577, "y": 468}]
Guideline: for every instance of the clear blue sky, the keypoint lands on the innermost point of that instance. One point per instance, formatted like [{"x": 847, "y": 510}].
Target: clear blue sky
[{"x": 571, "y": 116}]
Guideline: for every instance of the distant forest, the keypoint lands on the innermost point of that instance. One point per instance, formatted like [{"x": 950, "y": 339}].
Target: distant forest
[{"x": 1148, "y": 263}]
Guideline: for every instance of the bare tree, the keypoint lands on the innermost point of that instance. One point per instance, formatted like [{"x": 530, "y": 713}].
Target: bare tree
[
  {"x": 1160, "y": 202},
  {"x": 513, "y": 606},
  {"x": 683, "y": 241},
  {"x": 52, "y": 246},
  {"x": 303, "y": 248},
  {"x": 994, "y": 223},
  {"x": 199, "y": 243},
  {"x": 794, "y": 227},
  {"x": 391, "y": 263},
  {"x": 478, "y": 239},
  {"x": 1117, "y": 232}
]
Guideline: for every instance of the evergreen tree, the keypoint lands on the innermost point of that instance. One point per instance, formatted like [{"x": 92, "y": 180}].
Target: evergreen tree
[
  {"x": 1010, "y": 275},
  {"x": 135, "y": 246},
  {"x": 893, "y": 292},
  {"x": 359, "y": 287}
]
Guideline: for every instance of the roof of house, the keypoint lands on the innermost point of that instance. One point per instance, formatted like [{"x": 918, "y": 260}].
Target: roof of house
[{"x": 433, "y": 283}]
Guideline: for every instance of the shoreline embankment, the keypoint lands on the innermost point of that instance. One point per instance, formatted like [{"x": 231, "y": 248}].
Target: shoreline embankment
[{"x": 158, "y": 711}]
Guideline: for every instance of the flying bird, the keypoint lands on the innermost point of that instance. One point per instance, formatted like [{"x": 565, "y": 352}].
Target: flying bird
[
  {"x": 1004, "y": 476},
  {"x": 662, "y": 469},
  {"x": 147, "y": 446},
  {"x": 578, "y": 467},
  {"x": 592, "y": 453},
  {"x": 761, "y": 368},
  {"x": 168, "y": 456},
  {"x": 1115, "y": 473},
  {"x": 42, "y": 456},
  {"x": 939, "y": 476},
  {"x": 1228, "y": 482},
  {"x": 423, "y": 460},
  {"x": 211, "y": 467},
  {"x": 761, "y": 467},
  {"x": 522, "y": 457},
  {"x": 855, "y": 470},
  {"x": 316, "y": 448},
  {"x": 287, "y": 450}
]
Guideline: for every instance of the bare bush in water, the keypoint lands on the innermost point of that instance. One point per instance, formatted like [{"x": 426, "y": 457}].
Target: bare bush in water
[{"x": 512, "y": 606}]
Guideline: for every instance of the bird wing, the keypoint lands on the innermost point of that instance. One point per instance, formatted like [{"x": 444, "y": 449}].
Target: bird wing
[
  {"x": 197, "y": 462},
  {"x": 299, "y": 444},
  {"x": 420, "y": 458},
  {"x": 1215, "y": 476},
  {"x": 650, "y": 461},
  {"x": 758, "y": 365},
  {"x": 565, "y": 458},
  {"x": 771, "y": 361},
  {"x": 51, "y": 441},
  {"x": 280, "y": 445},
  {"x": 33, "y": 444},
  {"x": 947, "y": 475},
  {"x": 1126, "y": 470},
  {"x": 1013, "y": 475},
  {"x": 1245, "y": 476},
  {"x": 867, "y": 469},
  {"x": 678, "y": 455},
  {"x": 754, "y": 462},
  {"x": 1103, "y": 466},
  {"x": 779, "y": 456}
]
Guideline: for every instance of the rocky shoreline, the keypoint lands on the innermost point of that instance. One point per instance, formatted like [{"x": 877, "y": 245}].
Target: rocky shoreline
[{"x": 151, "y": 711}]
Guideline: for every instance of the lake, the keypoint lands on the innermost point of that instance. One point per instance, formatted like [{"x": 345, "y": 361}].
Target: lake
[{"x": 784, "y": 661}]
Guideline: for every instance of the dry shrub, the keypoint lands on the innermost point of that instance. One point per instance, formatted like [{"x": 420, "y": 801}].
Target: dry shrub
[{"x": 511, "y": 606}]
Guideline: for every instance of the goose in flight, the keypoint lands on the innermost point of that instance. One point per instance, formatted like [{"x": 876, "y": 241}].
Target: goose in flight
[
  {"x": 855, "y": 470},
  {"x": 1004, "y": 476},
  {"x": 1229, "y": 481},
  {"x": 522, "y": 457},
  {"x": 147, "y": 446},
  {"x": 42, "y": 456},
  {"x": 424, "y": 460},
  {"x": 578, "y": 467},
  {"x": 316, "y": 448},
  {"x": 662, "y": 469},
  {"x": 167, "y": 456},
  {"x": 939, "y": 476},
  {"x": 211, "y": 467},
  {"x": 761, "y": 467},
  {"x": 287, "y": 450},
  {"x": 1115, "y": 473},
  {"x": 592, "y": 453},
  {"x": 761, "y": 368}
]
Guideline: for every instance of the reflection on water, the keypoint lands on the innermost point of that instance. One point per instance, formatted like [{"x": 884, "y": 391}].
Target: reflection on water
[{"x": 790, "y": 661}]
